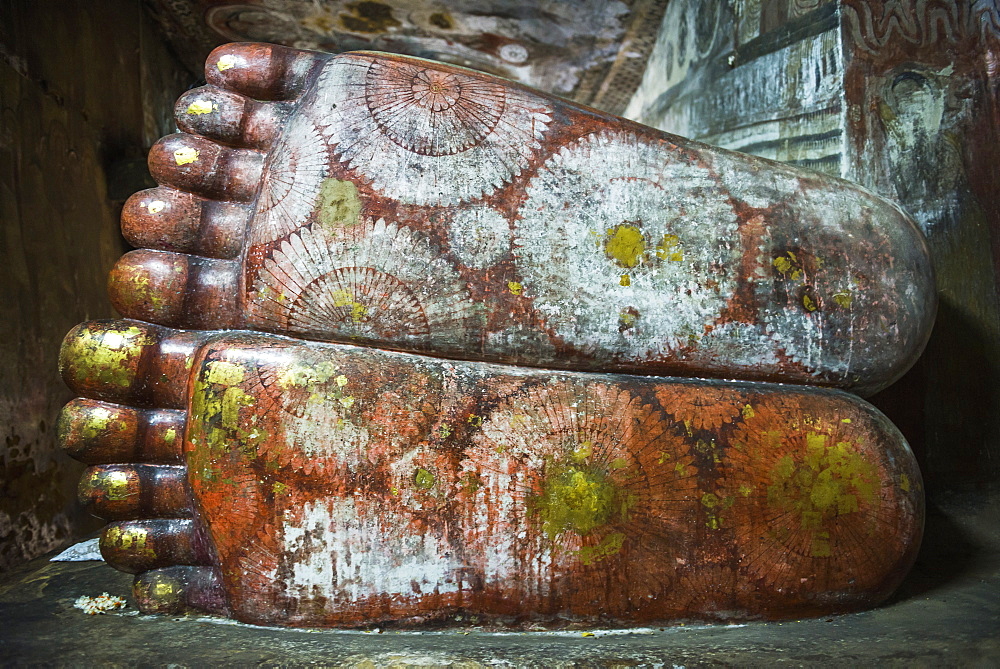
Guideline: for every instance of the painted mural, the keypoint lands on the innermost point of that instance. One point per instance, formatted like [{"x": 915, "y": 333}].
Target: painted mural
[{"x": 593, "y": 51}]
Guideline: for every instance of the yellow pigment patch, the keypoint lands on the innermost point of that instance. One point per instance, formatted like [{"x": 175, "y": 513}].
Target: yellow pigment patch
[
  {"x": 625, "y": 280},
  {"x": 338, "y": 204},
  {"x": 227, "y": 62},
  {"x": 298, "y": 375},
  {"x": 844, "y": 299},
  {"x": 199, "y": 107},
  {"x": 809, "y": 303},
  {"x": 583, "y": 451},
  {"x": 514, "y": 287},
  {"x": 96, "y": 421},
  {"x": 670, "y": 249},
  {"x": 423, "y": 479},
  {"x": 169, "y": 436},
  {"x": 186, "y": 155},
  {"x": 578, "y": 499},
  {"x": 343, "y": 298},
  {"x": 105, "y": 357},
  {"x": 831, "y": 479},
  {"x": 133, "y": 539},
  {"x": 628, "y": 318},
  {"x": 625, "y": 245},
  {"x": 156, "y": 206},
  {"x": 788, "y": 266},
  {"x": 114, "y": 484},
  {"x": 904, "y": 483},
  {"x": 341, "y": 380},
  {"x": 748, "y": 411},
  {"x": 233, "y": 399},
  {"x": 224, "y": 373},
  {"x": 165, "y": 588}
]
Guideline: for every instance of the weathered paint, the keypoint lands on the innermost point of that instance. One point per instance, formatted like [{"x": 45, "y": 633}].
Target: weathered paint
[
  {"x": 901, "y": 98},
  {"x": 341, "y": 485},
  {"x": 337, "y": 485},
  {"x": 402, "y": 196}
]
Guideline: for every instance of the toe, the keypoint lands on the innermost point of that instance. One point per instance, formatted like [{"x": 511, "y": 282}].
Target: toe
[
  {"x": 176, "y": 289},
  {"x": 229, "y": 117},
  {"x": 166, "y": 219},
  {"x": 136, "y": 546},
  {"x": 98, "y": 432},
  {"x": 201, "y": 166},
  {"x": 262, "y": 71},
  {"x": 125, "y": 492},
  {"x": 180, "y": 589},
  {"x": 128, "y": 362}
]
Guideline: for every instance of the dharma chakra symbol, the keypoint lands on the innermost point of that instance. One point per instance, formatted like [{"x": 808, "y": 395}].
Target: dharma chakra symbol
[
  {"x": 426, "y": 136},
  {"x": 432, "y": 113},
  {"x": 643, "y": 241},
  {"x": 435, "y": 91}
]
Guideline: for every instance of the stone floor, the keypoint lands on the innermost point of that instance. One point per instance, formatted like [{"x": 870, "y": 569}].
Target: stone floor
[{"x": 947, "y": 613}]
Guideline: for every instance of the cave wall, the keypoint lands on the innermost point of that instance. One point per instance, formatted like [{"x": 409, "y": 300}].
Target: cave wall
[{"x": 84, "y": 90}]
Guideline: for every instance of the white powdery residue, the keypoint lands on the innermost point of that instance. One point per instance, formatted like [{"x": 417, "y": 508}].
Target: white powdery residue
[
  {"x": 758, "y": 188},
  {"x": 633, "y": 243},
  {"x": 101, "y": 604},
  {"x": 479, "y": 235},
  {"x": 743, "y": 345},
  {"x": 346, "y": 557},
  {"x": 325, "y": 430}
]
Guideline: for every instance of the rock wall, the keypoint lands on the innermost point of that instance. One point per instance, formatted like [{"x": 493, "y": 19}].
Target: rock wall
[{"x": 84, "y": 91}]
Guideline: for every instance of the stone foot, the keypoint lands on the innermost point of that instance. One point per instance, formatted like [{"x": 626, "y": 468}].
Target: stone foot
[
  {"x": 405, "y": 204},
  {"x": 307, "y": 484}
]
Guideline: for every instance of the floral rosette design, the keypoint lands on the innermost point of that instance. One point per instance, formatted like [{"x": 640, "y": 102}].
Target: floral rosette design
[
  {"x": 572, "y": 480},
  {"x": 426, "y": 136},
  {"x": 644, "y": 241},
  {"x": 373, "y": 283}
]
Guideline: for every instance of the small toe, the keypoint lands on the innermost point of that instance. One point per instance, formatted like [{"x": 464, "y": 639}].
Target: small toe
[
  {"x": 180, "y": 589},
  {"x": 230, "y": 118},
  {"x": 204, "y": 167},
  {"x": 135, "y": 546},
  {"x": 126, "y": 492},
  {"x": 176, "y": 289},
  {"x": 166, "y": 219},
  {"x": 98, "y": 432},
  {"x": 262, "y": 71}
]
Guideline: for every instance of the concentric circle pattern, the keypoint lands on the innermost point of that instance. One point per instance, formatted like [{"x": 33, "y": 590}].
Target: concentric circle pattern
[
  {"x": 375, "y": 283},
  {"x": 817, "y": 509},
  {"x": 425, "y": 135},
  {"x": 291, "y": 182},
  {"x": 571, "y": 477},
  {"x": 628, "y": 249}
]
